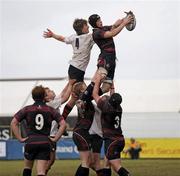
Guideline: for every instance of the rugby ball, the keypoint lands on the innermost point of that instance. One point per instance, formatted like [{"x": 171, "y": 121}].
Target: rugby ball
[{"x": 131, "y": 26}]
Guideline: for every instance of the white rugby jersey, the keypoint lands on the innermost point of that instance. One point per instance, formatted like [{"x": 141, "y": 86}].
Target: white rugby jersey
[
  {"x": 81, "y": 52},
  {"x": 96, "y": 127},
  {"x": 56, "y": 104}
]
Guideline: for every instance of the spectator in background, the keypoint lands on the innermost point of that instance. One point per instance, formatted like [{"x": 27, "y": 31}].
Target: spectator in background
[{"x": 134, "y": 149}]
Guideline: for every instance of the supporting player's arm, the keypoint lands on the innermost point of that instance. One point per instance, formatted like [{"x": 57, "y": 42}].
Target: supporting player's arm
[
  {"x": 50, "y": 34},
  {"x": 65, "y": 93},
  {"x": 95, "y": 93}
]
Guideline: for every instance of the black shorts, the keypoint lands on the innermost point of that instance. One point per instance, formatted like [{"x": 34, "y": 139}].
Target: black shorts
[
  {"x": 108, "y": 61},
  {"x": 75, "y": 73},
  {"x": 37, "y": 151},
  {"x": 113, "y": 148},
  {"x": 82, "y": 140},
  {"x": 96, "y": 143}
]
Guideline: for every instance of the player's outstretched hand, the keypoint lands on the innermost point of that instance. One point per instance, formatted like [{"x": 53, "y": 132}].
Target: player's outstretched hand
[
  {"x": 127, "y": 19},
  {"x": 48, "y": 33}
]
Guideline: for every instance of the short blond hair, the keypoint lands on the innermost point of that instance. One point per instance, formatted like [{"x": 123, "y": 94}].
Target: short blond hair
[{"x": 78, "y": 25}]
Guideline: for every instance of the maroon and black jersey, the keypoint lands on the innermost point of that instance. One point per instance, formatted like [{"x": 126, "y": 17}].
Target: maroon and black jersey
[
  {"x": 38, "y": 118},
  {"x": 106, "y": 45},
  {"x": 85, "y": 120},
  {"x": 110, "y": 118}
]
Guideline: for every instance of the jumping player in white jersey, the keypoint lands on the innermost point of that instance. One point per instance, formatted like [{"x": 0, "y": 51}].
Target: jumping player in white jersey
[{"x": 82, "y": 43}]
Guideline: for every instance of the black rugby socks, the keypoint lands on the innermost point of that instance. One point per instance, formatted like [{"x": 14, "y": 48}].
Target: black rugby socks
[
  {"x": 27, "y": 172},
  {"x": 82, "y": 171},
  {"x": 123, "y": 172}
]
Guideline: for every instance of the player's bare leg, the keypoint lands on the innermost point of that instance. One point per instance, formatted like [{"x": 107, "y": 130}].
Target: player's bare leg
[
  {"x": 41, "y": 167},
  {"x": 28, "y": 165},
  {"x": 83, "y": 169}
]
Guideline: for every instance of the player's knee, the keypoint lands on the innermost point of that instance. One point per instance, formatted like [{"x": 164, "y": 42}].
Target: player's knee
[
  {"x": 72, "y": 81},
  {"x": 78, "y": 88},
  {"x": 102, "y": 72},
  {"x": 105, "y": 87}
]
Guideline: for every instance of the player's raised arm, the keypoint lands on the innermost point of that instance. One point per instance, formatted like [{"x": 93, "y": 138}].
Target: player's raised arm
[
  {"x": 49, "y": 34},
  {"x": 65, "y": 93},
  {"x": 117, "y": 23},
  {"x": 117, "y": 30},
  {"x": 95, "y": 93}
]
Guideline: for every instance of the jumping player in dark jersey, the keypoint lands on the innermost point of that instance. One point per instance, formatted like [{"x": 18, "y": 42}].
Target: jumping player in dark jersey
[
  {"x": 111, "y": 127},
  {"x": 103, "y": 37},
  {"x": 82, "y": 44},
  {"x": 38, "y": 117}
]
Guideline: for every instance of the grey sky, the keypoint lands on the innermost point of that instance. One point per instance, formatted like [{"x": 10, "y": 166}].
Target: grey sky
[{"x": 151, "y": 51}]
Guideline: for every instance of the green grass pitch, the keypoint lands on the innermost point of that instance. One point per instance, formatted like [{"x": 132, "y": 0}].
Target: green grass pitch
[{"x": 141, "y": 167}]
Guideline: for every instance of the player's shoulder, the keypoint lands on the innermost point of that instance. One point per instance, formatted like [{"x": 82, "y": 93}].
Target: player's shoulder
[
  {"x": 28, "y": 107},
  {"x": 51, "y": 109},
  {"x": 70, "y": 37},
  {"x": 102, "y": 101},
  {"x": 105, "y": 98},
  {"x": 86, "y": 36}
]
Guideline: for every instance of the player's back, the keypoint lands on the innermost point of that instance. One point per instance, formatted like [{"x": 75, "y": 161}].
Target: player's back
[
  {"x": 38, "y": 119},
  {"x": 110, "y": 118},
  {"x": 85, "y": 120}
]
